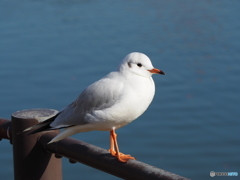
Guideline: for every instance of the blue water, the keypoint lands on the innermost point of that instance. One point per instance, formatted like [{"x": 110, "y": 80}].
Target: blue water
[{"x": 51, "y": 50}]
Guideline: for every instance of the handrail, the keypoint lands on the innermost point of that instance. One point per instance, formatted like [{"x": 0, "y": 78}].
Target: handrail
[
  {"x": 101, "y": 159},
  {"x": 5, "y": 129},
  {"x": 78, "y": 151}
]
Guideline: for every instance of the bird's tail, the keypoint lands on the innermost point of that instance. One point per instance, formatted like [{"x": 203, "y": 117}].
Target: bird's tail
[
  {"x": 71, "y": 130},
  {"x": 42, "y": 126}
]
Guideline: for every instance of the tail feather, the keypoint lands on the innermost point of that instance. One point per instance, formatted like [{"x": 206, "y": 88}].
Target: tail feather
[
  {"x": 42, "y": 126},
  {"x": 71, "y": 130},
  {"x": 67, "y": 132}
]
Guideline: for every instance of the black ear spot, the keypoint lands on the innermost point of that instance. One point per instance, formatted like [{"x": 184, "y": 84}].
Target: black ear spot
[
  {"x": 139, "y": 64},
  {"x": 129, "y": 64}
]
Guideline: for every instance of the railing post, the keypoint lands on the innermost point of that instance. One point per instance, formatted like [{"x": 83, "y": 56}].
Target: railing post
[{"x": 31, "y": 161}]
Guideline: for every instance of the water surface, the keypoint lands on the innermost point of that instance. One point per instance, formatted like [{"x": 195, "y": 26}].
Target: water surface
[{"x": 51, "y": 50}]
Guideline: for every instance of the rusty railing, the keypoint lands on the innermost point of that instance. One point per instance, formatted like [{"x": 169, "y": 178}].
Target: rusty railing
[{"x": 36, "y": 160}]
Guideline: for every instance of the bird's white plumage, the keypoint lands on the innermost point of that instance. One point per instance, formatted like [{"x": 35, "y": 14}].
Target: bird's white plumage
[{"x": 111, "y": 102}]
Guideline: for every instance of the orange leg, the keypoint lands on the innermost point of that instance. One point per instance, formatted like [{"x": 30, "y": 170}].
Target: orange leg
[
  {"x": 112, "y": 147},
  {"x": 114, "y": 150}
]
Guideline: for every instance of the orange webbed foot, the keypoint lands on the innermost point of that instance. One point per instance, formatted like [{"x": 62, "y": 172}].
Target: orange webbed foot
[
  {"x": 112, "y": 152},
  {"x": 124, "y": 157},
  {"x": 121, "y": 157}
]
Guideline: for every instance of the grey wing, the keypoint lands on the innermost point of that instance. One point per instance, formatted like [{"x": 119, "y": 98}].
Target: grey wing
[{"x": 98, "y": 96}]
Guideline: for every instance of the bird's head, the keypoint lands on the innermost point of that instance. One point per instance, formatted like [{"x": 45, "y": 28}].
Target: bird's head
[{"x": 139, "y": 64}]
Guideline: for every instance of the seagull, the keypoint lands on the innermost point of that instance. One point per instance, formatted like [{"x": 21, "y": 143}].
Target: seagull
[{"x": 108, "y": 104}]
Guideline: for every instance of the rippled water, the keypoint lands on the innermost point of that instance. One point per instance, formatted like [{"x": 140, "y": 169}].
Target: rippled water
[{"x": 51, "y": 50}]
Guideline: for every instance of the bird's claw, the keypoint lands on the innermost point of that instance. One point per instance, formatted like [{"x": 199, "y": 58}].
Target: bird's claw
[{"x": 121, "y": 157}]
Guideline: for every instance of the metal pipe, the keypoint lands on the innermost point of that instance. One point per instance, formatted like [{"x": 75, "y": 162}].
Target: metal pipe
[
  {"x": 31, "y": 161},
  {"x": 101, "y": 159},
  {"x": 5, "y": 129},
  {"x": 33, "y": 158}
]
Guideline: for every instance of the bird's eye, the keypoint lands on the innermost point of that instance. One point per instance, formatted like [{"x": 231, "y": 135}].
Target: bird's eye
[{"x": 139, "y": 64}]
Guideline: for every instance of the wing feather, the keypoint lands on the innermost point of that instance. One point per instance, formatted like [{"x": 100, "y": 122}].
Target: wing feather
[{"x": 98, "y": 96}]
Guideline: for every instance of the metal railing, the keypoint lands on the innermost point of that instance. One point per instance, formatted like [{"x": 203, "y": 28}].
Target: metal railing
[{"x": 34, "y": 159}]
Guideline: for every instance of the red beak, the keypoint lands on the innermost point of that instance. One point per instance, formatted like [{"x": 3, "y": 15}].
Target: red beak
[{"x": 156, "y": 71}]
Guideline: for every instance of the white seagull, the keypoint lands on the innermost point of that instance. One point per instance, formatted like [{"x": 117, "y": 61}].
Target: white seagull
[{"x": 109, "y": 103}]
